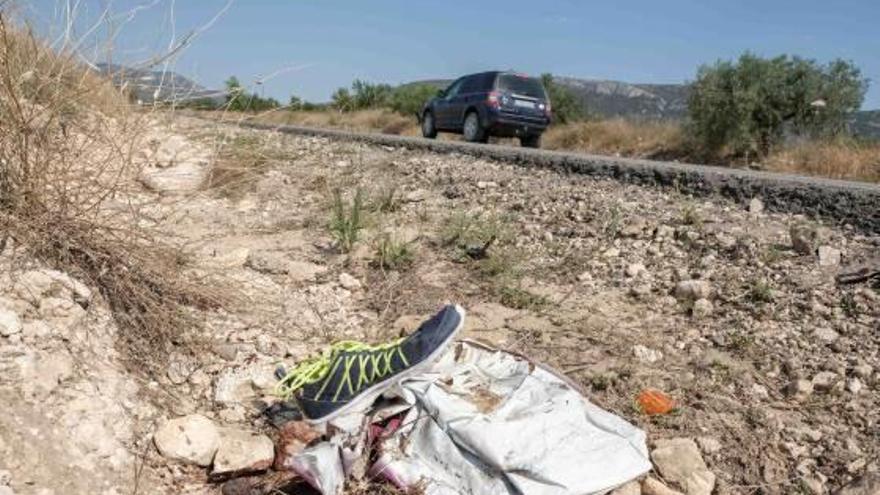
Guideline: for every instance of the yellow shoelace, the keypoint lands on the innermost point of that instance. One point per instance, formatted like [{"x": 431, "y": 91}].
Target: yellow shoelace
[{"x": 315, "y": 369}]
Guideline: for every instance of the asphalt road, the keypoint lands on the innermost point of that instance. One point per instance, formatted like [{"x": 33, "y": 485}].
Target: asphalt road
[{"x": 835, "y": 201}]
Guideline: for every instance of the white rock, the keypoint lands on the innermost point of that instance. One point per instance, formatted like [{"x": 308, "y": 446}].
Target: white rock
[
  {"x": 646, "y": 355},
  {"x": 826, "y": 334},
  {"x": 756, "y": 206},
  {"x": 702, "y": 308},
  {"x": 709, "y": 445},
  {"x": 631, "y": 488},
  {"x": 585, "y": 277},
  {"x": 10, "y": 324},
  {"x": 800, "y": 390},
  {"x": 5, "y": 477},
  {"x": 192, "y": 439},
  {"x": 693, "y": 290},
  {"x": 854, "y": 386},
  {"x": 486, "y": 185},
  {"x": 828, "y": 256},
  {"x": 679, "y": 460},
  {"x": 824, "y": 380},
  {"x": 635, "y": 269},
  {"x": 611, "y": 253},
  {"x": 349, "y": 282},
  {"x": 242, "y": 452},
  {"x": 5, "y": 490},
  {"x": 651, "y": 486},
  {"x": 242, "y": 385},
  {"x": 304, "y": 271}
]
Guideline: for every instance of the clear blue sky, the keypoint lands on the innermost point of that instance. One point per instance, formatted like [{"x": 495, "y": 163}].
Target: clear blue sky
[{"x": 402, "y": 40}]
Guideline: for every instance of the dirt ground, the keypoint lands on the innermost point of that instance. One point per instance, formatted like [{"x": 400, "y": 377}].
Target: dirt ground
[{"x": 775, "y": 367}]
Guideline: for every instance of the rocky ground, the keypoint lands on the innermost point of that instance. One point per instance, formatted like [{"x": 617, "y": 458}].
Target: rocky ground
[{"x": 733, "y": 312}]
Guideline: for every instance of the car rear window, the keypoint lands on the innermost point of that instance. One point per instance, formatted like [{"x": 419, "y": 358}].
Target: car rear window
[{"x": 521, "y": 85}]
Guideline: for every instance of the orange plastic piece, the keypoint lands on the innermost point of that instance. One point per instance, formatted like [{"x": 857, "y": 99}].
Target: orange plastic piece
[{"x": 654, "y": 402}]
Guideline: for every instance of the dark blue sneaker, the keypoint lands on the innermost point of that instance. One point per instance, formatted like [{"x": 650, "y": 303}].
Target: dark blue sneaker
[{"x": 350, "y": 374}]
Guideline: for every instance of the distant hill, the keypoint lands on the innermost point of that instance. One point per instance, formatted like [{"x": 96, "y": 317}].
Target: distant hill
[
  {"x": 866, "y": 124},
  {"x": 156, "y": 86}
]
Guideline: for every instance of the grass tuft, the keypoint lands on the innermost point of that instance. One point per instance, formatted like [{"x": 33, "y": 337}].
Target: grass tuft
[
  {"x": 347, "y": 221},
  {"x": 392, "y": 254}
]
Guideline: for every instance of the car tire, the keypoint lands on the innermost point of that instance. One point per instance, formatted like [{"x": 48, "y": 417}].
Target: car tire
[
  {"x": 530, "y": 141},
  {"x": 429, "y": 127},
  {"x": 473, "y": 130}
]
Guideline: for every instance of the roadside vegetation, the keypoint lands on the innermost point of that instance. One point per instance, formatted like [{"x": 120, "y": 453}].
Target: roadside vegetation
[
  {"x": 67, "y": 163},
  {"x": 786, "y": 114}
]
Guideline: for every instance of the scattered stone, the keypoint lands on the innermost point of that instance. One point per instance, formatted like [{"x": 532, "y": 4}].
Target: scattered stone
[
  {"x": 869, "y": 484},
  {"x": 242, "y": 385},
  {"x": 631, "y": 488},
  {"x": 5, "y": 477},
  {"x": 634, "y": 227},
  {"x": 815, "y": 485},
  {"x": 702, "y": 308},
  {"x": 349, "y": 282},
  {"x": 486, "y": 185},
  {"x": 664, "y": 232},
  {"x": 800, "y": 390},
  {"x": 679, "y": 460},
  {"x": 416, "y": 196},
  {"x": 192, "y": 439},
  {"x": 691, "y": 290},
  {"x": 267, "y": 262},
  {"x": 652, "y": 486},
  {"x": 709, "y": 445},
  {"x": 824, "y": 381},
  {"x": 242, "y": 452},
  {"x": 611, "y": 253},
  {"x": 756, "y": 206},
  {"x": 635, "y": 269},
  {"x": 828, "y": 256},
  {"x": 10, "y": 324},
  {"x": 5, "y": 490},
  {"x": 825, "y": 334},
  {"x": 805, "y": 239},
  {"x": 863, "y": 370},
  {"x": 854, "y": 386},
  {"x": 646, "y": 355},
  {"x": 585, "y": 277}
]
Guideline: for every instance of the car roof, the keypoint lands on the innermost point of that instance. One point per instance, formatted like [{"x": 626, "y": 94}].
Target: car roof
[{"x": 496, "y": 72}]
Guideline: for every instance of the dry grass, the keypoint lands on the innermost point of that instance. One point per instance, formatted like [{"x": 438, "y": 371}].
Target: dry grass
[
  {"x": 617, "y": 137},
  {"x": 837, "y": 159},
  {"x": 67, "y": 142},
  {"x": 384, "y": 121}
]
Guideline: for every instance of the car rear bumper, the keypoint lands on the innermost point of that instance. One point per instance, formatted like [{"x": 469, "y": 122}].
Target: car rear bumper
[{"x": 506, "y": 125}]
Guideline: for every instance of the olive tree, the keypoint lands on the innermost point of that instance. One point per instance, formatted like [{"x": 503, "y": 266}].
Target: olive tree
[
  {"x": 566, "y": 107},
  {"x": 745, "y": 107}
]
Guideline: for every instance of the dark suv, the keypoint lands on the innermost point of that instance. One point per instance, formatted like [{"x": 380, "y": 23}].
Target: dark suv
[{"x": 504, "y": 104}]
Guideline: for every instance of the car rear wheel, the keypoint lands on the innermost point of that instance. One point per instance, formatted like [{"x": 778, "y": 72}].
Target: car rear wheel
[
  {"x": 530, "y": 141},
  {"x": 429, "y": 128},
  {"x": 473, "y": 130}
]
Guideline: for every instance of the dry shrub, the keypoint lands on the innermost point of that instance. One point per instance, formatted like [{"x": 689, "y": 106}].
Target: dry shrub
[
  {"x": 380, "y": 120},
  {"x": 618, "y": 137},
  {"x": 837, "y": 159},
  {"x": 67, "y": 142}
]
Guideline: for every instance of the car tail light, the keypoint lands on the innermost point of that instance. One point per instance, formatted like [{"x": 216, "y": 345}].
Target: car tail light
[{"x": 494, "y": 99}]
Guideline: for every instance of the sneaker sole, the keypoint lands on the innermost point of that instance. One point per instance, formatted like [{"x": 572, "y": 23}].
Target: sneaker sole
[{"x": 370, "y": 394}]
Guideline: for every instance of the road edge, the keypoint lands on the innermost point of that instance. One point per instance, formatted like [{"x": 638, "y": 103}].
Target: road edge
[{"x": 842, "y": 202}]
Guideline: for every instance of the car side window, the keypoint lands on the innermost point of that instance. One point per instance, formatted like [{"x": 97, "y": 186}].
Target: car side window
[
  {"x": 454, "y": 88},
  {"x": 470, "y": 84}
]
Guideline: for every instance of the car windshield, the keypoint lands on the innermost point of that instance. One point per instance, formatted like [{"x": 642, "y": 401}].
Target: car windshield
[{"x": 521, "y": 85}]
